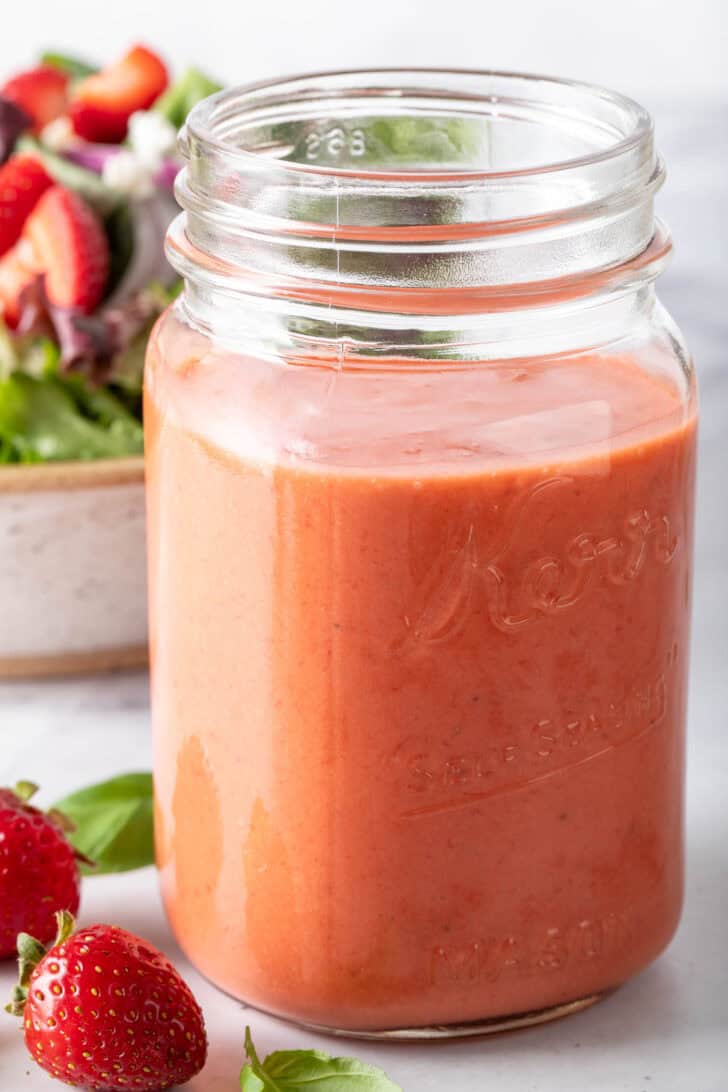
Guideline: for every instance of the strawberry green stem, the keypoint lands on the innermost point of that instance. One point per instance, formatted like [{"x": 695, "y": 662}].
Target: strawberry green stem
[
  {"x": 30, "y": 953},
  {"x": 17, "y": 1002},
  {"x": 66, "y": 925},
  {"x": 25, "y": 790}
]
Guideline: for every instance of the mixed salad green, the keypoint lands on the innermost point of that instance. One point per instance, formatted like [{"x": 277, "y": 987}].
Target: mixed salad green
[
  {"x": 87, "y": 170},
  {"x": 99, "y": 148}
]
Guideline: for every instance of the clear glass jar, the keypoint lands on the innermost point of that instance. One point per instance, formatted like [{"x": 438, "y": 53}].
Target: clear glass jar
[{"x": 420, "y": 456}]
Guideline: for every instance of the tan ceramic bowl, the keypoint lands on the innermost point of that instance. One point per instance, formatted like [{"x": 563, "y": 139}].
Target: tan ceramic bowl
[{"x": 72, "y": 567}]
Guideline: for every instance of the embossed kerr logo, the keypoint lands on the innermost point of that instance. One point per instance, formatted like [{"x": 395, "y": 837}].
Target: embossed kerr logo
[{"x": 517, "y": 596}]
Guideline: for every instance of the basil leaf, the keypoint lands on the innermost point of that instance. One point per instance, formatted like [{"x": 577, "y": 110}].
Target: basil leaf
[
  {"x": 114, "y": 823},
  {"x": 249, "y": 1082},
  {"x": 291, "y": 1070}
]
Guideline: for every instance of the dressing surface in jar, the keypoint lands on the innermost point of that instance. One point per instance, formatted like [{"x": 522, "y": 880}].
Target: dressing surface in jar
[{"x": 420, "y": 459}]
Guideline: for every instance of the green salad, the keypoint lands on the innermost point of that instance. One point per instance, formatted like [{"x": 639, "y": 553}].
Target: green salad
[{"x": 87, "y": 169}]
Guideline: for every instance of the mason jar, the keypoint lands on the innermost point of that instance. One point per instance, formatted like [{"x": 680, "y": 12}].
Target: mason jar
[{"x": 420, "y": 461}]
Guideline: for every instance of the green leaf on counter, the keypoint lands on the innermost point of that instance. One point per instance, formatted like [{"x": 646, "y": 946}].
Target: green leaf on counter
[
  {"x": 72, "y": 66},
  {"x": 114, "y": 823},
  {"x": 291, "y": 1070},
  {"x": 179, "y": 98}
]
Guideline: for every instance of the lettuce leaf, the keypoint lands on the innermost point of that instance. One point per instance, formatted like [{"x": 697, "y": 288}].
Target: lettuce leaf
[
  {"x": 33, "y": 354},
  {"x": 186, "y": 91},
  {"x": 422, "y": 141},
  {"x": 59, "y": 418},
  {"x": 74, "y": 67}
]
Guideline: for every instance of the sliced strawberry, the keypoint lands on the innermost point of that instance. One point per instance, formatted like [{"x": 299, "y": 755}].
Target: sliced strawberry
[
  {"x": 41, "y": 92},
  {"x": 103, "y": 104},
  {"x": 23, "y": 181},
  {"x": 17, "y": 272},
  {"x": 70, "y": 247}
]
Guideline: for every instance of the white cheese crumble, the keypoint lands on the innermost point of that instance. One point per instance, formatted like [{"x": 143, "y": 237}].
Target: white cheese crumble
[
  {"x": 58, "y": 135},
  {"x": 151, "y": 137},
  {"x": 126, "y": 172}
]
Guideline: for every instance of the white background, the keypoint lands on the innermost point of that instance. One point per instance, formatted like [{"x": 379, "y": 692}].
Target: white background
[
  {"x": 651, "y": 48},
  {"x": 667, "y": 1031}
]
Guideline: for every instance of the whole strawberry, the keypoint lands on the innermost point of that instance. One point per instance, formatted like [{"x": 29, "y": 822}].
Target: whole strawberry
[
  {"x": 104, "y": 1010},
  {"x": 38, "y": 869}
]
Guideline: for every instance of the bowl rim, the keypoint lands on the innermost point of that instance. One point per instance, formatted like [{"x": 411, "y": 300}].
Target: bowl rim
[{"x": 61, "y": 476}]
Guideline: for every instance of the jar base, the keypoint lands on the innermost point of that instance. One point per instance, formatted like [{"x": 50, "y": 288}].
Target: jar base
[{"x": 490, "y": 1026}]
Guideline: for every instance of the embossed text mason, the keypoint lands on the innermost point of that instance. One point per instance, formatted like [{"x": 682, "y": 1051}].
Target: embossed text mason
[{"x": 420, "y": 458}]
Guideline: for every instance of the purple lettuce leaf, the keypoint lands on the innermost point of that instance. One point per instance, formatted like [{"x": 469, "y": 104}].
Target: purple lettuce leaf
[
  {"x": 88, "y": 343},
  {"x": 13, "y": 122}
]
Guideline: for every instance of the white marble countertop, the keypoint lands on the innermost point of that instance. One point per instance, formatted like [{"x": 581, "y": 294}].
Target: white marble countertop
[{"x": 667, "y": 1031}]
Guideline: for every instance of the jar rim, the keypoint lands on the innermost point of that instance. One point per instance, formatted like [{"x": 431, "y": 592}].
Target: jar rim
[
  {"x": 422, "y": 179},
  {"x": 213, "y": 111}
]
